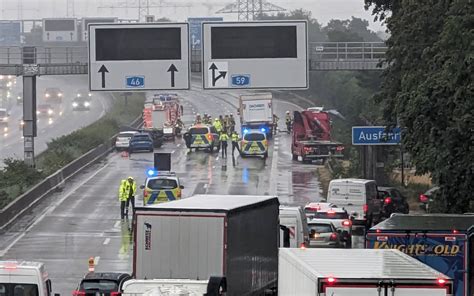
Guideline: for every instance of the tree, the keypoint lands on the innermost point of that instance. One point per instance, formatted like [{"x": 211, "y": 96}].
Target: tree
[{"x": 428, "y": 90}]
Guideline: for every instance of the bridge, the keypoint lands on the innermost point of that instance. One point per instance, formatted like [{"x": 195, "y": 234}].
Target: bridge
[{"x": 66, "y": 60}]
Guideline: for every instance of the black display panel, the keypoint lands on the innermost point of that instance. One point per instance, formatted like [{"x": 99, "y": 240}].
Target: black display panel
[
  {"x": 253, "y": 42},
  {"x": 138, "y": 44},
  {"x": 59, "y": 25}
]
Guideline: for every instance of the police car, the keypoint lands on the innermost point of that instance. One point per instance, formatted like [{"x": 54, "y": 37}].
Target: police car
[
  {"x": 202, "y": 136},
  {"x": 254, "y": 143},
  {"x": 161, "y": 187}
]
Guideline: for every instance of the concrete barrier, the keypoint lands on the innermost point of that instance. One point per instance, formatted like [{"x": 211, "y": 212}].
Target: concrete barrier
[{"x": 27, "y": 201}]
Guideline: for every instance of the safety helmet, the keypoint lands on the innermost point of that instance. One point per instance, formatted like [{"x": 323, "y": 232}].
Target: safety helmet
[
  {"x": 216, "y": 119},
  {"x": 287, "y": 112},
  {"x": 198, "y": 114},
  {"x": 130, "y": 178}
]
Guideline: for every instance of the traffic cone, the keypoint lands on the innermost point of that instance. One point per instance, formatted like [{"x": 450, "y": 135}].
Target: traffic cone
[
  {"x": 91, "y": 264},
  {"x": 124, "y": 154}
]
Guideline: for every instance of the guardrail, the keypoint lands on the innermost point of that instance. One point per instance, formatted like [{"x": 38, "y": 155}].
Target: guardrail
[{"x": 27, "y": 201}]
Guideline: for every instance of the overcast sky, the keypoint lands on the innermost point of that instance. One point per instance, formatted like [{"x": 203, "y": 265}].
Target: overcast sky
[{"x": 323, "y": 10}]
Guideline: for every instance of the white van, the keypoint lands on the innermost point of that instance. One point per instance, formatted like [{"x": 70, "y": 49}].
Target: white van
[
  {"x": 358, "y": 197},
  {"x": 24, "y": 278},
  {"x": 294, "y": 219}
]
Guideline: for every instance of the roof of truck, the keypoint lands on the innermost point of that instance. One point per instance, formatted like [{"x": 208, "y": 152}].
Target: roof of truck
[
  {"x": 351, "y": 180},
  {"x": 359, "y": 263},
  {"x": 427, "y": 222},
  {"x": 213, "y": 203},
  {"x": 20, "y": 264}
]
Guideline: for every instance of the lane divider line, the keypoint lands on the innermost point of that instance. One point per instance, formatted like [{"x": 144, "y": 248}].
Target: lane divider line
[{"x": 106, "y": 241}]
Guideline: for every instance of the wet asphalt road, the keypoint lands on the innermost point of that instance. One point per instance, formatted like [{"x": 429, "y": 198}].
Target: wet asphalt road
[
  {"x": 83, "y": 220},
  {"x": 64, "y": 121}
]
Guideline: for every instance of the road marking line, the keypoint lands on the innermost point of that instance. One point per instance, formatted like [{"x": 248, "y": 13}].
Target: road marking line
[
  {"x": 117, "y": 224},
  {"x": 106, "y": 241},
  {"x": 96, "y": 260},
  {"x": 179, "y": 145},
  {"x": 217, "y": 158},
  {"x": 172, "y": 151},
  {"x": 52, "y": 208},
  {"x": 205, "y": 185}
]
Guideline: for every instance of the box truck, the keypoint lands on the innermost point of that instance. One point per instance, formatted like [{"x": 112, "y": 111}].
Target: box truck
[
  {"x": 231, "y": 236},
  {"x": 357, "y": 272},
  {"x": 256, "y": 112},
  {"x": 444, "y": 242}
]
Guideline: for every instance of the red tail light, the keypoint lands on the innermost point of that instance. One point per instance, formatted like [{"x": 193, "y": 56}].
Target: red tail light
[
  {"x": 331, "y": 212},
  {"x": 78, "y": 293},
  {"x": 441, "y": 282},
  {"x": 115, "y": 294},
  {"x": 178, "y": 194},
  {"x": 315, "y": 208},
  {"x": 302, "y": 246},
  {"x": 145, "y": 193},
  {"x": 347, "y": 223},
  {"x": 387, "y": 200},
  {"x": 365, "y": 208},
  {"x": 307, "y": 149},
  {"x": 333, "y": 236},
  {"x": 423, "y": 198},
  {"x": 331, "y": 280},
  {"x": 209, "y": 137}
]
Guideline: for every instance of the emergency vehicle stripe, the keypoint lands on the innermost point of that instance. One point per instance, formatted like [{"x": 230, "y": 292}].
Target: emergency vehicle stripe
[
  {"x": 170, "y": 195},
  {"x": 202, "y": 138},
  {"x": 153, "y": 197},
  {"x": 292, "y": 231},
  {"x": 260, "y": 145},
  {"x": 247, "y": 147}
]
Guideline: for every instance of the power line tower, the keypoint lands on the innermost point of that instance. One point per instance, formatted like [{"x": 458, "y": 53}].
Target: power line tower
[
  {"x": 70, "y": 8},
  {"x": 249, "y": 10},
  {"x": 144, "y": 6}
]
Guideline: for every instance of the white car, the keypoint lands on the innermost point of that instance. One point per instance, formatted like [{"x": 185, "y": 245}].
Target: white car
[
  {"x": 313, "y": 207},
  {"x": 122, "y": 142}
]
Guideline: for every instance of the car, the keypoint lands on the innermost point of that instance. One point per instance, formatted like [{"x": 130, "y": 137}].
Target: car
[
  {"x": 202, "y": 136},
  {"x": 156, "y": 135},
  {"x": 140, "y": 142},
  {"x": 393, "y": 201},
  {"x": 44, "y": 110},
  {"x": 323, "y": 234},
  {"x": 254, "y": 143},
  {"x": 294, "y": 219},
  {"x": 359, "y": 197},
  {"x": 341, "y": 220},
  {"x": 122, "y": 141},
  {"x": 101, "y": 283},
  {"x": 53, "y": 95},
  {"x": 311, "y": 208},
  {"x": 161, "y": 187},
  {"x": 4, "y": 116},
  {"x": 81, "y": 104},
  {"x": 426, "y": 198},
  {"x": 83, "y": 93}
]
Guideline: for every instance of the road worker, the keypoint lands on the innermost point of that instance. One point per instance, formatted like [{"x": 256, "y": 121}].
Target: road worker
[
  {"x": 235, "y": 142},
  {"x": 224, "y": 138},
  {"x": 218, "y": 125},
  {"x": 132, "y": 189}
]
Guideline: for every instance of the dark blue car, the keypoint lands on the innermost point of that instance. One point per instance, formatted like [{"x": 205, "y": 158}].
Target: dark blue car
[{"x": 141, "y": 142}]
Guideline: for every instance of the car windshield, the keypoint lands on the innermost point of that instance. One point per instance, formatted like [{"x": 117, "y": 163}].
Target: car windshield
[
  {"x": 254, "y": 137},
  {"x": 125, "y": 135},
  {"x": 52, "y": 90},
  {"x": 320, "y": 228},
  {"x": 141, "y": 138},
  {"x": 99, "y": 285},
  {"x": 331, "y": 215},
  {"x": 14, "y": 289},
  {"x": 198, "y": 131},
  {"x": 157, "y": 184}
]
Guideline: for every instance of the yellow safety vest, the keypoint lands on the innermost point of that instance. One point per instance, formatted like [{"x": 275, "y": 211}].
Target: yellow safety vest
[
  {"x": 218, "y": 125},
  {"x": 223, "y": 137},
  {"x": 235, "y": 137}
]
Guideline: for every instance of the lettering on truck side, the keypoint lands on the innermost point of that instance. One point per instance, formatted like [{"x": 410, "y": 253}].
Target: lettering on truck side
[
  {"x": 256, "y": 106},
  {"x": 420, "y": 249}
]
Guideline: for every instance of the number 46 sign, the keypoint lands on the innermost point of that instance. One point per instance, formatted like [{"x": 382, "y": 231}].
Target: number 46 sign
[{"x": 135, "y": 81}]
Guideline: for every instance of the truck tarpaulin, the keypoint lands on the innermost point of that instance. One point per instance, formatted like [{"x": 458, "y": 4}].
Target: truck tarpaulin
[{"x": 443, "y": 242}]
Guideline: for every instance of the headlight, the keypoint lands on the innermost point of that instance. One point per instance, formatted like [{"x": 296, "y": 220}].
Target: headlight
[
  {"x": 74, "y": 104},
  {"x": 78, "y": 95},
  {"x": 1, "y": 77},
  {"x": 87, "y": 104},
  {"x": 22, "y": 123},
  {"x": 9, "y": 77},
  {"x": 46, "y": 95},
  {"x": 90, "y": 95},
  {"x": 37, "y": 112},
  {"x": 60, "y": 94},
  {"x": 18, "y": 98},
  {"x": 50, "y": 111},
  {"x": 5, "y": 129}
]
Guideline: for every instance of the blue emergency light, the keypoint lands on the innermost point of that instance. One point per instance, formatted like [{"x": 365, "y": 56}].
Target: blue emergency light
[
  {"x": 151, "y": 172},
  {"x": 246, "y": 131},
  {"x": 263, "y": 130}
]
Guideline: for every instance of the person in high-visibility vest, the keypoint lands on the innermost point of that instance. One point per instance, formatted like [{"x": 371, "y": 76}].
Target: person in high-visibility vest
[
  {"x": 132, "y": 189},
  {"x": 123, "y": 197},
  {"x": 217, "y": 124},
  {"x": 224, "y": 138},
  {"x": 235, "y": 142}
]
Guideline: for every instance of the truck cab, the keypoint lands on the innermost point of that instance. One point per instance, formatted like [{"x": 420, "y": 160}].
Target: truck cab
[{"x": 24, "y": 278}]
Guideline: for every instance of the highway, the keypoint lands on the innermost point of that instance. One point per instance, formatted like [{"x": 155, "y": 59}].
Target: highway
[
  {"x": 63, "y": 122},
  {"x": 83, "y": 220}
]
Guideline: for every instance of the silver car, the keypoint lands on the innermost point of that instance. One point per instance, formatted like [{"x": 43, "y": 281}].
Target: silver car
[
  {"x": 323, "y": 234},
  {"x": 122, "y": 142}
]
